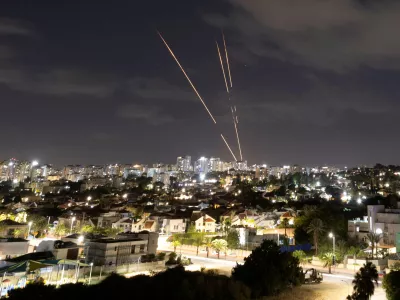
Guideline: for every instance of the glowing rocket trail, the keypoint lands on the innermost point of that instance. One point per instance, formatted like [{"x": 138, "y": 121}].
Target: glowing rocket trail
[
  {"x": 228, "y": 147},
  {"x": 234, "y": 115},
  {"x": 187, "y": 77},
  {"x": 222, "y": 67},
  {"x": 195, "y": 90},
  {"x": 227, "y": 59}
]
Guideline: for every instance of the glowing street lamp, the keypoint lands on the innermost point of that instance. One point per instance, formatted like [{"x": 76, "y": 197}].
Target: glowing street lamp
[
  {"x": 29, "y": 227},
  {"x": 89, "y": 198},
  {"x": 332, "y": 236},
  {"x": 72, "y": 223},
  {"x": 35, "y": 163},
  {"x": 125, "y": 196},
  {"x": 90, "y": 274},
  {"x": 81, "y": 239}
]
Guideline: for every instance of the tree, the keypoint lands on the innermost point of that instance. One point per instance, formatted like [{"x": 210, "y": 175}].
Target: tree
[
  {"x": 391, "y": 285},
  {"x": 301, "y": 256},
  {"x": 374, "y": 239},
  {"x": 198, "y": 240},
  {"x": 177, "y": 240},
  {"x": 268, "y": 271},
  {"x": 233, "y": 239},
  {"x": 60, "y": 230},
  {"x": 219, "y": 245},
  {"x": 327, "y": 259},
  {"x": 316, "y": 227},
  {"x": 19, "y": 233},
  {"x": 285, "y": 224},
  {"x": 112, "y": 232},
  {"x": 39, "y": 223},
  {"x": 354, "y": 251},
  {"x": 363, "y": 283},
  {"x": 87, "y": 229},
  {"x": 208, "y": 244}
]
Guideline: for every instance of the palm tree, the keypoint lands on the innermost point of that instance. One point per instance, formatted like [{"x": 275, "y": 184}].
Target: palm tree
[
  {"x": 208, "y": 244},
  {"x": 354, "y": 250},
  {"x": 219, "y": 245},
  {"x": 316, "y": 227},
  {"x": 327, "y": 259},
  {"x": 198, "y": 240},
  {"x": 374, "y": 239},
  {"x": 176, "y": 243},
  {"x": 285, "y": 224},
  {"x": 363, "y": 282}
]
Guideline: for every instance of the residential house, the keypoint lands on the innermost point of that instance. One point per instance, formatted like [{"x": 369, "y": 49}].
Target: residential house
[
  {"x": 169, "y": 224},
  {"x": 10, "y": 228},
  {"x": 116, "y": 251},
  {"x": 203, "y": 222}
]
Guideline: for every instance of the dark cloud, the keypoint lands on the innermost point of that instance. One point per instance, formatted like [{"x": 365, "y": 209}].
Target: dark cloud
[
  {"x": 152, "y": 115},
  {"x": 159, "y": 88},
  {"x": 333, "y": 34},
  {"x": 15, "y": 27}
]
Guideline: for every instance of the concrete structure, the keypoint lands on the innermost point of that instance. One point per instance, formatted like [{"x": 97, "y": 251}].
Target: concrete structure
[
  {"x": 116, "y": 251},
  {"x": 13, "y": 247}
]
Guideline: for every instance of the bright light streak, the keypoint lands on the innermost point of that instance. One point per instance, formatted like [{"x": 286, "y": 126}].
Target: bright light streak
[
  {"x": 238, "y": 140},
  {"x": 222, "y": 67},
  {"x": 228, "y": 147},
  {"x": 187, "y": 77},
  {"x": 227, "y": 59}
]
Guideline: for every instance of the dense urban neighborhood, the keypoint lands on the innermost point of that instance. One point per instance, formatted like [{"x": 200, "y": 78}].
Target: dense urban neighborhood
[{"x": 82, "y": 223}]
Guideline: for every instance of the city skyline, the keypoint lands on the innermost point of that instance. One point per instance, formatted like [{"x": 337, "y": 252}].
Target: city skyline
[{"x": 89, "y": 84}]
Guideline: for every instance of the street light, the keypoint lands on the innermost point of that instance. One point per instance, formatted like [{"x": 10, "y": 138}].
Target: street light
[
  {"x": 35, "y": 163},
  {"x": 72, "y": 224},
  {"x": 332, "y": 236},
  {"x": 90, "y": 274},
  {"x": 89, "y": 198},
  {"x": 29, "y": 228}
]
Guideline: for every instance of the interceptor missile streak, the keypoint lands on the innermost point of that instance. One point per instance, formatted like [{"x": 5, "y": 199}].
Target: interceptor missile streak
[
  {"x": 228, "y": 147},
  {"x": 222, "y": 67},
  {"x": 187, "y": 77},
  {"x": 227, "y": 60}
]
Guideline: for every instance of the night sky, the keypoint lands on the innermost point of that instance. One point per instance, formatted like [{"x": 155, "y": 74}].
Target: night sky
[{"x": 315, "y": 82}]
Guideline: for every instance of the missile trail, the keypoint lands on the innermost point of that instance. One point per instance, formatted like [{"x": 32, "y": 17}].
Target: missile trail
[
  {"x": 194, "y": 88},
  {"x": 222, "y": 67},
  {"x": 227, "y": 59},
  {"x": 237, "y": 136},
  {"x": 187, "y": 77},
  {"x": 228, "y": 147}
]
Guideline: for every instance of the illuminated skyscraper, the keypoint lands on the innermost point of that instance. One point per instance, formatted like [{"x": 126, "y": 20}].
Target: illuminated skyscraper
[{"x": 183, "y": 164}]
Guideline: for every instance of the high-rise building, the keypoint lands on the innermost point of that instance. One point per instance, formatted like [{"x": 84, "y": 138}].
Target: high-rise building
[
  {"x": 214, "y": 164},
  {"x": 183, "y": 164},
  {"x": 201, "y": 166}
]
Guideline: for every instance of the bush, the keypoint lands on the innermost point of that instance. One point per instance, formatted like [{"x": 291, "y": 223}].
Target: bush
[
  {"x": 391, "y": 284},
  {"x": 161, "y": 256}
]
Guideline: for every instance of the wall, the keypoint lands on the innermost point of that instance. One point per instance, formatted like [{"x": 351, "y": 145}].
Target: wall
[{"x": 13, "y": 248}]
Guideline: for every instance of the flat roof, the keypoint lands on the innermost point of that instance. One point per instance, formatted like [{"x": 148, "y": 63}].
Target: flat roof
[{"x": 109, "y": 241}]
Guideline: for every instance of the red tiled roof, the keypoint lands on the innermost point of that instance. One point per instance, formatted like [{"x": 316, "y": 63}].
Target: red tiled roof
[
  {"x": 148, "y": 224},
  {"x": 209, "y": 220}
]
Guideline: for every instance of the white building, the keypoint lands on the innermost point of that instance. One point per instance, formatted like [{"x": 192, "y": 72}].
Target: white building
[
  {"x": 184, "y": 164},
  {"x": 380, "y": 220},
  {"x": 201, "y": 166}
]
